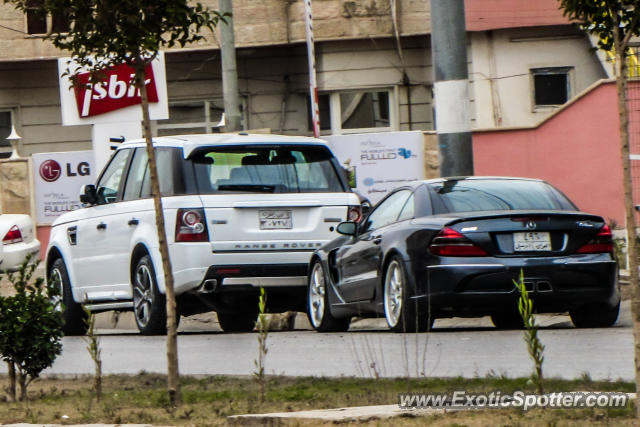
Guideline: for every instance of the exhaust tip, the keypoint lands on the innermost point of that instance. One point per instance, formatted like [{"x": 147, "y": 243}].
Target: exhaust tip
[{"x": 208, "y": 286}]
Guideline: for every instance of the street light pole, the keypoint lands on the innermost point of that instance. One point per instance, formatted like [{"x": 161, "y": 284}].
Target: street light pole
[
  {"x": 451, "y": 88},
  {"x": 229, "y": 71}
]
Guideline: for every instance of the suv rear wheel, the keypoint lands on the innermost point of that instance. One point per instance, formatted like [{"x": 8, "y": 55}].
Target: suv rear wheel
[
  {"x": 238, "y": 322},
  {"x": 507, "y": 319},
  {"x": 149, "y": 305}
]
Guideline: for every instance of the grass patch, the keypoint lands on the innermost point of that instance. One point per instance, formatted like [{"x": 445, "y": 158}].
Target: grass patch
[{"x": 207, "y": 401}]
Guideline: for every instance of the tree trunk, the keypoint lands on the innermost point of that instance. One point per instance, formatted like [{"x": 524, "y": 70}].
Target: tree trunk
[
  {"x": 97, "y": 381},
  {"x": 173, "y": 379},
  {"x": 632, "y": 245},
  {"x": 22, "y": 380},
  {"x": 12, "y": 381}
]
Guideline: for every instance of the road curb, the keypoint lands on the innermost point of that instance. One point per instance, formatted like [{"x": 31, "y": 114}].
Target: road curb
[
  {"x": 365, "y": 413},
  {"x": 355, "y": 413}
]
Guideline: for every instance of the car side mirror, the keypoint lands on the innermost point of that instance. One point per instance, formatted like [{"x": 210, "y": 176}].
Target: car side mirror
[
  {"x": 348, "y": 228},
  {"x": 88, "y": 194}
]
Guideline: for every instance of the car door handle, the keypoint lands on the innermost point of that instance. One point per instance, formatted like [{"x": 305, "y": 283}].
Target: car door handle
[
  {"x": 133, "y": 221},
  {"x": 101, "y": 226}
]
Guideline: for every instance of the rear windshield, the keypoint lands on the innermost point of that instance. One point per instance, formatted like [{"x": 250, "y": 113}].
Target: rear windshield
[
  {"x": 497, "y": 195},
  {"x": 267, "y": 169}
]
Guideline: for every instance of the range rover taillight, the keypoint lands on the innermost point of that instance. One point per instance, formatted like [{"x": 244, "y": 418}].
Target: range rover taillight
[
  {"x": 602, "y": 243},
  {"x": 449, "y": 242},
  {"x": 191, "y": 226},
  {"x": 354, "y": 213}
]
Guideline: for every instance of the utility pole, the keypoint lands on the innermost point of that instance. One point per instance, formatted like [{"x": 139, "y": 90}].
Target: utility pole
[
  {"x": 229, "y": 71},
  {"x": 451, "y": 88}
]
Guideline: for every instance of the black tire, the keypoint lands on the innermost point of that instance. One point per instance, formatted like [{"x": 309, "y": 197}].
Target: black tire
[
  {"x": 595, "y": 316},
  {"x": 318, "y": 307},
  {"x": 400, "y": 311},
  {"x": 75, "y": 318},
  {"x": 149, "y": 305},
  {"x": 507, "y": 320},
  {"x": 238, "y": 322}
]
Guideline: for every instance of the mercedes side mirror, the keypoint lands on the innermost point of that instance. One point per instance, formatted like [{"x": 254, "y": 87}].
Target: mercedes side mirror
[
  {"x": 88, "y": 194},
  {"x": 348, "y": 228}
]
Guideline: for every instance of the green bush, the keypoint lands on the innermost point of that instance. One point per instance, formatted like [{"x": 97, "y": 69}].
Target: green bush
[{"x": 30, "y": 328}]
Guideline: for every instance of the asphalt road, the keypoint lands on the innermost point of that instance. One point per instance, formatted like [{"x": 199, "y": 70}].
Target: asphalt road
[{"x": 457, "y": 347}]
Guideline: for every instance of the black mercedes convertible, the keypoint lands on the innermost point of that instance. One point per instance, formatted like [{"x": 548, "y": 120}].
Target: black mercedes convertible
[{"x": 453, "y": 246}]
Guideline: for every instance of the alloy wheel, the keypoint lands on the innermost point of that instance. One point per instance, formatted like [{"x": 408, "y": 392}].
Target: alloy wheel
[
  {"x": 393, "y": 293},
  {"x": 316, "y": 295},
  {"x": 142, "y": 295},
  {"x": 56, "y": 277}
]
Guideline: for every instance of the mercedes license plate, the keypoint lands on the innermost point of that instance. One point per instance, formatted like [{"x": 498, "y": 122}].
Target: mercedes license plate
[
  {"x": 272, "y": 219},
  {"x": 531, "y": 241}
]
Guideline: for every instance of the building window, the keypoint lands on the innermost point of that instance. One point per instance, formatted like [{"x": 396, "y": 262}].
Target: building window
[
  {"x": 5, "y": 128},
  {"x": 6, "y": 120},
  {"x": 551, "y": 86},
  {"x": 192, "y": 117},
  {"x": 356, "y": 111},
  {"x": 364, "y": 110},
  {"x": 39, "y": 23}
]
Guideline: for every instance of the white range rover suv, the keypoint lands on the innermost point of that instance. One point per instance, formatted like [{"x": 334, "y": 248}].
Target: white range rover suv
[{"x": 242, "y": 212}]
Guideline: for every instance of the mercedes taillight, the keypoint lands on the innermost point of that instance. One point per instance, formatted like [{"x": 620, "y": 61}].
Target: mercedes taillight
[
  {"x": 602, "y": 243},
  {"x": 449, "y": 242}
]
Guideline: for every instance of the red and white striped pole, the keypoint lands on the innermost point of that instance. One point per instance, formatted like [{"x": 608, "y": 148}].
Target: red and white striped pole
[{"x": 313, "y": 86}]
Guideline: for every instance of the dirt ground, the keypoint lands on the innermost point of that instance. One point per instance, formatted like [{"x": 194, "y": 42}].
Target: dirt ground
[{"x": 142, "y": 399}]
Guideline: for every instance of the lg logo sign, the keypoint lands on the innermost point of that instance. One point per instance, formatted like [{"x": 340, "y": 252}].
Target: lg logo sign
[{"x": 50, "y": 170}]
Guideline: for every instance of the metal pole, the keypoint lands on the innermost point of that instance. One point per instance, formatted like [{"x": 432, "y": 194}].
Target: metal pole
[
  {"x": 229, "y": 71},
  {"x": 451, "y": 88},
  {"x": 313, "y": 86}
]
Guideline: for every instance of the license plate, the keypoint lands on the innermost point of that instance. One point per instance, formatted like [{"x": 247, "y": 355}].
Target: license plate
[
  {"x": 274, "y": 219},
  {"x": 531, "y": 241}
]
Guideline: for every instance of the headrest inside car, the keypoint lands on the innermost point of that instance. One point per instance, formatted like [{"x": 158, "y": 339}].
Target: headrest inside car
[
  {"x": 253, "y": 160},
  {"x": 283, "y": 159}
]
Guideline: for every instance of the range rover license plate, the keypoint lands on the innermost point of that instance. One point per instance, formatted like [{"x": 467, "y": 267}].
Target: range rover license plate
[
  {"x": 271, "y": 219},
  {"x": 531, "y": 241}
]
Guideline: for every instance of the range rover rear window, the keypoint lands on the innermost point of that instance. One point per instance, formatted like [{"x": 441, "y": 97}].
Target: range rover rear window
[{"x": 266, "y": 169}]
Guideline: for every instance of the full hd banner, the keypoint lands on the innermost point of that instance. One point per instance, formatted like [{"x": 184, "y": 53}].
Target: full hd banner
[{"x": 380, "y": 161}]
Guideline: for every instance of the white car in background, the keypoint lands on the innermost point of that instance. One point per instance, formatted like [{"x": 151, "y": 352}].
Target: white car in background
[
  {"x": 18, "y": 241},
  {"x": 241, "y": 212}
]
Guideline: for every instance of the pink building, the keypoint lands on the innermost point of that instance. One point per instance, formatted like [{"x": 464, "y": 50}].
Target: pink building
[{"x": 576, "y": 149}]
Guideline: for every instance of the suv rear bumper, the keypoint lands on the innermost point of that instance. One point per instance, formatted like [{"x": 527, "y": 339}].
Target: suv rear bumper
[
  {"x": 265, "y": 282},
  {"x": 221, "y": 278},
  {"x": 235, "y": 288},
  {"x": 194, "y": 263}
]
